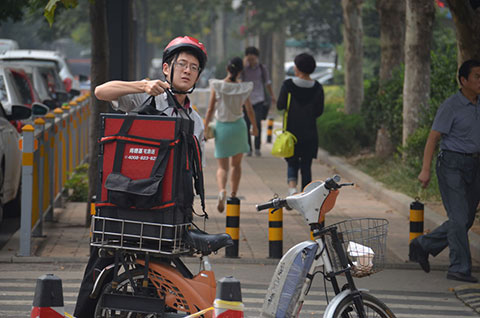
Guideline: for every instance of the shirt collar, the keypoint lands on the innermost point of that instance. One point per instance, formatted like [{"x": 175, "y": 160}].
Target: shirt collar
[{"x": 465, "y": 101}]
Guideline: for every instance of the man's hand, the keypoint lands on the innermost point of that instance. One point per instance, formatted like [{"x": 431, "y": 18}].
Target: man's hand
[
  {"x": 424, "y": 178},
  {"x": 155, "y": 87},
  {"x": 273, "y": 100}
]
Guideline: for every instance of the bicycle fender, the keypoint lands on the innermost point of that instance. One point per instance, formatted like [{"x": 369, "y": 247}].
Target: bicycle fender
[
  {"x": 336, "y": 301},
  {"x": 99, "y": 282}
]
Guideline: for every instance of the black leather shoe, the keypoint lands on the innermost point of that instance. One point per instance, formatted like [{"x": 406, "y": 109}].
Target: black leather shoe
[
  {"x": 417, "y": 254},
  {"x": 462, "y": 277}
]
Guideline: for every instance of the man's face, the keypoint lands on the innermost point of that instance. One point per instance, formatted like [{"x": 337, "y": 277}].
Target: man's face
[
  {"x": 472, "y": 83},
  {"x": 185, "y": 71},
  {"x": 252, "y": 59}
]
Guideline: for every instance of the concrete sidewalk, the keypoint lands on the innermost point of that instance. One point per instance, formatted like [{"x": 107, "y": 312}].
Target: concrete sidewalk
[{"x": 66, "y": 239}]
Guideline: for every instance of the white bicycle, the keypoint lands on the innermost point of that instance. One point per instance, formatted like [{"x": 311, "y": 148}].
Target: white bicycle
[{"x": 351, "y": 248}]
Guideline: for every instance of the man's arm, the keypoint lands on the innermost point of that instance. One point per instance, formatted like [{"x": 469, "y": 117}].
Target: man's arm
[
  {"x": 270, "y": 91},
  {"x": 112, "y": 90},
  {"x": 431, "y": 144}
]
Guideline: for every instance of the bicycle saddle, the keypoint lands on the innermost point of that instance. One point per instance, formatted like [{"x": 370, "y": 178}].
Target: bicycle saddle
[{"x": 207, "y": 243}]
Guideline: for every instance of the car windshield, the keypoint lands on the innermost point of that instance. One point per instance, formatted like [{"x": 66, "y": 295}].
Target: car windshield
[{"x": 23, "y": 88}]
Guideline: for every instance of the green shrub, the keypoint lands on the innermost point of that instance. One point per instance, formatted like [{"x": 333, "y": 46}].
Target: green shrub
[
  {"x": 77, "y": 184},
  {"x": 339, "y": 133}
]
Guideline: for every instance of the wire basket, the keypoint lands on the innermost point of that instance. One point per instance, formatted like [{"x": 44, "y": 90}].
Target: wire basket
[
  {"x": 141, "y": 236},
  {"x": 365, "y": 242}
]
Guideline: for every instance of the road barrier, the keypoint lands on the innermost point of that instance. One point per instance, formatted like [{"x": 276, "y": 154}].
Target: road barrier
[
  {"x": 269, "y": 130},
  {"x": 233, "y": 225},
  {"x": 48, "y": 298},
  {"x": 52, "y": 148},
  {"x": 228, "y": 301},
  {"x": 416, "y": 219},
  {"x": 275, "y": 233}
]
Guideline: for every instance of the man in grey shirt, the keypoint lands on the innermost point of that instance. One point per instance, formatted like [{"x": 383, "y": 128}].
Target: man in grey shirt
[
  {"x": 457, "y": 125},
  {"x": 254, "y": 71}
]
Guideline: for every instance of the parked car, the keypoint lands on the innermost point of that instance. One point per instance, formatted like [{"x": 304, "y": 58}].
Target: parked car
[
  {"x": 323, "y": 72},
  {"x": 16, "y": 88},
  {"x": 10, "y": 159},
  {"x": 8, "y": 44},
  {"x": 45, "y": 78},
  {"x": 72, "y": 85}
]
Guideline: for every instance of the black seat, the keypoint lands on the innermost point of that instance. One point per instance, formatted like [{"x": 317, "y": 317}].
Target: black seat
[{"x": 207, "y": 243}]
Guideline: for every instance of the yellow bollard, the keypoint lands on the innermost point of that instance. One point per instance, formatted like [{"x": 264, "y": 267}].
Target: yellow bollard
[
  {"x": 269, "y": 130},
  {"x": 233, "y": 225},
  {"x": 275, "y": 233},
  {"x": 416, "y": 219}
]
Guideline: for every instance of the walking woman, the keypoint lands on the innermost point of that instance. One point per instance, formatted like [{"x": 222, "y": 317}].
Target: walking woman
[
  {"x": 303, "y": 99},
  {"x": 229, "y": 95}
]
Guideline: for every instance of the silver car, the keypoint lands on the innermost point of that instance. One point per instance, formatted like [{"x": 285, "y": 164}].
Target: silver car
[{"x": 10, "y": 159}]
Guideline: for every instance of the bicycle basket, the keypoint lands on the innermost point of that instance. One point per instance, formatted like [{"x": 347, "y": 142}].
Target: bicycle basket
[
  {"x": 139, "y": 236},
  {"x": 365, "y": 242}
]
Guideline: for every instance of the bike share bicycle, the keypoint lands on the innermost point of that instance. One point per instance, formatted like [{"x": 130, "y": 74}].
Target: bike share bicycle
[{"x": 351, "y": 248}]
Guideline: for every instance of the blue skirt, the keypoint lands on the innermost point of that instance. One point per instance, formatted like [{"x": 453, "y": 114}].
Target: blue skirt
[{"x": 230, "y": 138}]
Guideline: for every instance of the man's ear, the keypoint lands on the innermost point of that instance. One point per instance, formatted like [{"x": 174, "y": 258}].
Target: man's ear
[{"x": 166, "y": 70}]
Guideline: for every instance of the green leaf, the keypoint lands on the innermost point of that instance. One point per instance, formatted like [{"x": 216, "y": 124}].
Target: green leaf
[{"x": 49, "y": 11}]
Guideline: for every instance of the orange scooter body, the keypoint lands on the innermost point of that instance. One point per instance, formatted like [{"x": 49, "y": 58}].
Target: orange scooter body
[{"x": 183, "y": 294}]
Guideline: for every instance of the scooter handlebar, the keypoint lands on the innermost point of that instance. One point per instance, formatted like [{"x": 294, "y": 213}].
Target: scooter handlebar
[{"x": 273, "y": 204}]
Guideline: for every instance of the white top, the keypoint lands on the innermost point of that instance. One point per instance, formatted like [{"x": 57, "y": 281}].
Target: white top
[{"x": 230, "y": 98}]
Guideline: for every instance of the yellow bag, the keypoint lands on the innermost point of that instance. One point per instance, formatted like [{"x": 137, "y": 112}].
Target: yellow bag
[{"x": 284, "y": 145}]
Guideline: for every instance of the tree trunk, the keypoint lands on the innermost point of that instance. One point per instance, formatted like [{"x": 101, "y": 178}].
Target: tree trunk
[
  {"x": 392, "y": 39},
  {"x": 416, "y": 87},
  {"x": 353, "y": 35},
  {"x": 99, "y": 75},
  {"x": 278, "y": 59},
  {"x": 467, "y": 25},
  {"x": 265, "y": 47},
  {"x": 392, "y": 36}
]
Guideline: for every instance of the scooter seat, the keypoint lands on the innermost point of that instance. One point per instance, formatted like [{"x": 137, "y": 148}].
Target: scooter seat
[{"x": 207, "y": 243}]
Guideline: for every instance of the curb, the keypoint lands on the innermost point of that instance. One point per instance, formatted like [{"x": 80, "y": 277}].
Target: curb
[{"x": 398, "y": 201}]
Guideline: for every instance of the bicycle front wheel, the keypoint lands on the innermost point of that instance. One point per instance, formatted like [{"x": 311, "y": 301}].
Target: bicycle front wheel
[{"x": 374, "y": 308}]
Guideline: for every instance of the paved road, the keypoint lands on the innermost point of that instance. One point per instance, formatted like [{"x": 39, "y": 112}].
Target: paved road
[{"x": 406, "y": 292}]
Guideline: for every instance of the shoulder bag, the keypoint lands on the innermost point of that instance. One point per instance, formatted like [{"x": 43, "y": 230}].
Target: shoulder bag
[{"x": 284, "y": 145}]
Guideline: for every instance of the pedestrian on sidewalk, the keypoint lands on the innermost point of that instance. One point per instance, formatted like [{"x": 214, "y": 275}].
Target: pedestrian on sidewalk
[
  {"x": 303, "y": 100},
  {"x": 257, "y": 73},
  {"x": 229, "y": 95},
  {"x": 184, "y": 58},
  {"x": 457, "y": 127}
]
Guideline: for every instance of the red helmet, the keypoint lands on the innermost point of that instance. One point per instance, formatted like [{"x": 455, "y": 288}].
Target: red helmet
[{"x": 186, "y": 42}]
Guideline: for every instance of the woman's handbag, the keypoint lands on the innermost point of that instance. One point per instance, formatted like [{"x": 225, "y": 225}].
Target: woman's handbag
[
  {"x": 211, "y": 130},
  {"x": 284, "y": 145}
]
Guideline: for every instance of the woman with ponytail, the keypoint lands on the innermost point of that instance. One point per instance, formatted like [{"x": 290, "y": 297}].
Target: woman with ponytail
[{"x": 226, "y": 100}]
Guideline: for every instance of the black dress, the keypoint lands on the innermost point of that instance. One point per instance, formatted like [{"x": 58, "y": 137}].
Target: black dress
[{"x": 306, "y": 105}]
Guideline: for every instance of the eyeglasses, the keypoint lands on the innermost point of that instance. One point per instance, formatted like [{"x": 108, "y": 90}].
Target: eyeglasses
[{"x": 183, "y": 65}]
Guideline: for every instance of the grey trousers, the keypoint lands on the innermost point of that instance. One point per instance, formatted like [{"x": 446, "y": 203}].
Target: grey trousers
[{"x": 459, "y": 182}]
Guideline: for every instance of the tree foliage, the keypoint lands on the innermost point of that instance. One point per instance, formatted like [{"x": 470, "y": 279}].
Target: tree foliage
[
  {"x": 167, "y": 19},
  {"x": 317, "y": 22}
]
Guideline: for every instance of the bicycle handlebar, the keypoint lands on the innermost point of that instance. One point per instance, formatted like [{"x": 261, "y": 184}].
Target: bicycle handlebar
[{"x": 273, "y": 204}]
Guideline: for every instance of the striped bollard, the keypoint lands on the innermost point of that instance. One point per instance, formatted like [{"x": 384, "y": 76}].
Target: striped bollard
[
  {"x": 228, "y": 302},
  {"x": 416, "y": 219},
  {"x": 275, "y": 233},
  {"x": 269, "y": 130},
  {"x": 48, "y": 298},
  {"x": 233, "y": 225}
]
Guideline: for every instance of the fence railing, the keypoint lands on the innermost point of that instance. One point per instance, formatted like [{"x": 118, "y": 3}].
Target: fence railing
[{"x": 52, "y": 148}]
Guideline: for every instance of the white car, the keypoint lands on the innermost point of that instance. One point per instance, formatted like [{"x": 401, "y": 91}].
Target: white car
[
  {"x": 8, "y": 44},
  {"x": 72, "y": 85},
  {"x": 323, "y": 72},
  {"x": 10, "y": 159}
]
